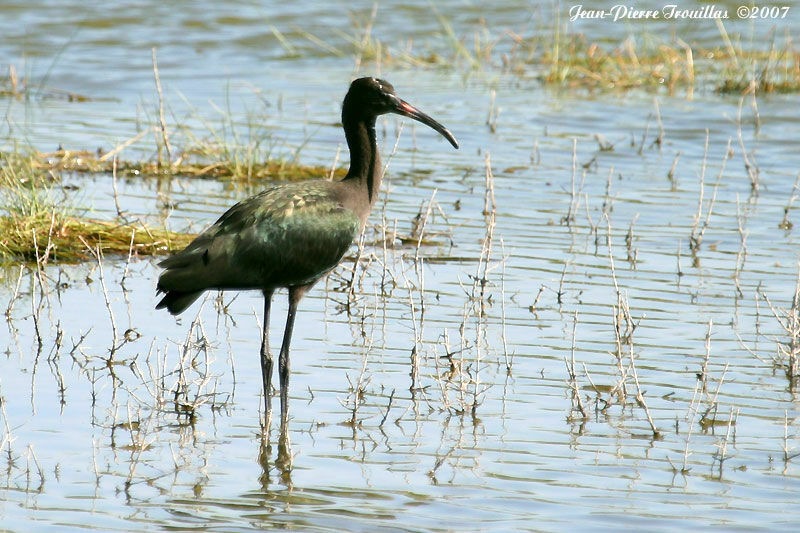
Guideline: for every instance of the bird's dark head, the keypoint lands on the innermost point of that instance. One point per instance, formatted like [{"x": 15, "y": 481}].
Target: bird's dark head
[{"x": 370, "y": 97}]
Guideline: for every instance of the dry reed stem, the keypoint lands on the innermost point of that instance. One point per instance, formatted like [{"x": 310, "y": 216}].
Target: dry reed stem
[
  {"x": 419, "y": 261},
  {"x": 577, "y": 402},
  {"x": 509, "y": 360},
  {"x": 560, "y": 292},
  {"x": 712, "y": 401},
  {"x": 787, "y": 455},
  {"x": 440, "y": 379},
  {"x": 696, "y": 237},
  {"x": 640, "y": 397},
  {"x": 332, "y": 173},
  {"x": 388, "y": 408},
  {"x": 365, "y": 40},
  {"x": 701, "y": 179},
  {"x": 120, "y": 213},
  {"x": 671, "y": 174},
  {"x": 660, "y": 138},
  {"x": 703, "y": 374},
  {"x": 97, "y": 253},
  {"x": 8, "y": 437},
  {"x": 787, "y": 224},
  {"x": 686, "y": 453},
  {"x": 161, "y": 119},
  {"x": 644, "y": 134},
  {"x": 489, "y": 204},
  {"x": 15, "y": 294},
  {"x": 31, "y": 455},
  {"x": 351, "y": 285},
  {"x": 569, "y": 218},
  {"x": 722, "y": 445},
  {"x": 414, "y": 374},
  {"x": 533, "y": 307},
  {"x": 741, "y": 254},
  {"x": 358, "y": 389},
  {"x": 632, "y": 252},
  {"x": 494, "y": 111},
  {"x": 750, "y": 165},
  {"x": 789, "y": 320}
]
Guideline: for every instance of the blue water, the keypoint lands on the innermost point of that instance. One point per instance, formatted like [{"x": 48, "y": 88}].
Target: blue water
[{"x": 112, "y": 453}]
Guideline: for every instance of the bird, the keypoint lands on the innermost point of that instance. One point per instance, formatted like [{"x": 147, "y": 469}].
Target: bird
[{"x": 291, "y": 235}]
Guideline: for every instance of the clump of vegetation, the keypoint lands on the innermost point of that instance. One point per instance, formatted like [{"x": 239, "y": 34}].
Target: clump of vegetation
[
  {"x": 38, "y": 224},
  {"x": 653, "y": 63},
  {"x": 62, "y": 237},
  {"x": 194, "y": 162},
  {"x": 558, "y": 57}
]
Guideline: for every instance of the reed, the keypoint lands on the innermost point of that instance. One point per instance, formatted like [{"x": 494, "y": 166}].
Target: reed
[{"x": 38, "y": 223}]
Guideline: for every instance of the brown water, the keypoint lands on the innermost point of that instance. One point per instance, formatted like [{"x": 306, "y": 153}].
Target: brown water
[{"x": 92, "y": 445}]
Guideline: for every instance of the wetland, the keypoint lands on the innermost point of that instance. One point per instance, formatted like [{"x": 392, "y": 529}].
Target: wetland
[{"x": 588, "y": 317}]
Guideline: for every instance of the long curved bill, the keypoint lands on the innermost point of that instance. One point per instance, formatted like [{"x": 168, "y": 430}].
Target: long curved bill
[{"x": 404, "y": 108}]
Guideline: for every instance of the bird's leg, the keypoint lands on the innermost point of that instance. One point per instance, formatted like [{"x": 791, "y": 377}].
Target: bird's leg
[
  {"x": 295, "y": 294},
  {"x": 266, "y": 360}
]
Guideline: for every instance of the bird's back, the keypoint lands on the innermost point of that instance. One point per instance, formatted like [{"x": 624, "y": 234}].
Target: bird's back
[{"x": 284, "y": 236}]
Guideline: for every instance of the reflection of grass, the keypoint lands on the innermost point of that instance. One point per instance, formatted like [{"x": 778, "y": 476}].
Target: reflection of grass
[{"x": 37, "y": 223}]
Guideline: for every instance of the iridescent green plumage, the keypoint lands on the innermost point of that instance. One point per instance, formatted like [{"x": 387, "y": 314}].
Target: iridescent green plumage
[{"x": 286, "y": 235}]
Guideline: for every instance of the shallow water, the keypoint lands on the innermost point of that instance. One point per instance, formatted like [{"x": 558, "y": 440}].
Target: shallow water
[{"x": 101, "y": 446}]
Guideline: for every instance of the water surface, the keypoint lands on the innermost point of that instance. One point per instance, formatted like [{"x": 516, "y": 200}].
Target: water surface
[{"x": 99, "y": 445}]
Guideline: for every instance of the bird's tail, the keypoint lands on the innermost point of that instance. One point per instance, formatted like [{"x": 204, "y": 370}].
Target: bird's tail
[{"x": 176, "y": 302}]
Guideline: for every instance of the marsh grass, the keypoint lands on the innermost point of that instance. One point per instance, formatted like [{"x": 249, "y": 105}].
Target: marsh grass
[
  {"x": 206, "y": 160},
  {"x": 55, "y": 237},
  {"x": 557, "y": 57},
  {"x": 650, "y": 62},
  {"x": 38, "y": 223}
]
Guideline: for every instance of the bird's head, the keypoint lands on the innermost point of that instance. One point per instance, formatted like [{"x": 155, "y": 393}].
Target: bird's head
[{"x": 370, "y": 97}]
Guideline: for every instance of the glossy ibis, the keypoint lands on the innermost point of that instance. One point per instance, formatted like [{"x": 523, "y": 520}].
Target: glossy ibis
[{"x": 291, "y": 235}]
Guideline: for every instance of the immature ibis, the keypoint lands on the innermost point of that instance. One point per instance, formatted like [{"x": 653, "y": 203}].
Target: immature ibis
[{"x": 291, "y": 235}]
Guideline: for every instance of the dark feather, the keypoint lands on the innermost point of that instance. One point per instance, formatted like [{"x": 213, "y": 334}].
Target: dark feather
[{"x": 284, "y": 236}]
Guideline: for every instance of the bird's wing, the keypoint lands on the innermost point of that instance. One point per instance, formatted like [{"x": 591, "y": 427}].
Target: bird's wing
[{"x": 287, "y": 235}]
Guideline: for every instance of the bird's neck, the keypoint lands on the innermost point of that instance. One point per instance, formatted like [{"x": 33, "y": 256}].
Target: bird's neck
[{"x": 365, "y": 162}]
